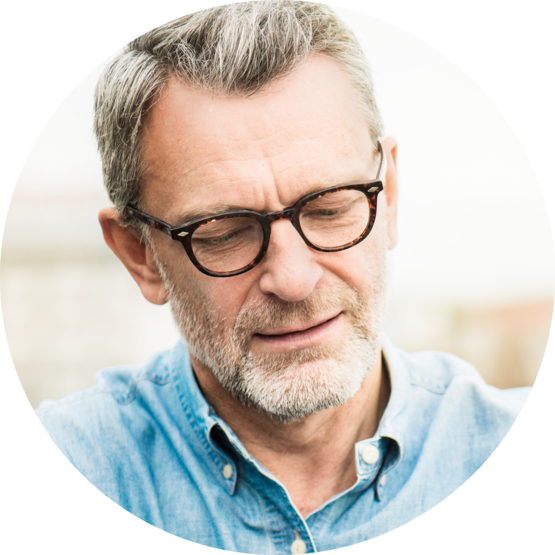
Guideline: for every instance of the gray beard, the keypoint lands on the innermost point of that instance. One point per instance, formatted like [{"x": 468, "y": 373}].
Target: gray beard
[{"x": 288, "y": 386}]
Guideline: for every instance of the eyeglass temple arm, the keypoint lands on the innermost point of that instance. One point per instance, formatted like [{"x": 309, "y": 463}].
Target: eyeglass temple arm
[
  {"x": 149, "y": 220},
  {"x": 383, "y": 164}
]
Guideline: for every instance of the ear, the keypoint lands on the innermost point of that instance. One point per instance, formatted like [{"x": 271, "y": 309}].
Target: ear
[
  {"x": 135, "y": 255},
  {"x": 390, "y": 150}
]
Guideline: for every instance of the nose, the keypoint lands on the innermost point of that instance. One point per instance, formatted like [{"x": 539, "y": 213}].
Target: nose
[{"x": 289, "y": 269}]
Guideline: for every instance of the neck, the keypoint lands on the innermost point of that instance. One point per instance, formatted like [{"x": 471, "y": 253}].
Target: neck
[{"x": 313, "y": 457}]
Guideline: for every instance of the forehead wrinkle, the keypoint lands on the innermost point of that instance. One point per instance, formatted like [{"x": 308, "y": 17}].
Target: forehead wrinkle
[
  {"x": 246, "y": 197},
  {"x": 261, "y": 184},
  {"x": 266, "y": 192},
  {"x": 342, "y": 174},
  {"x": 179, "y": 177},
  {"x": 288, "y": 138},
  {"x": 238, "y": 156},
  {"x": 219, "y": 208},
  {"x": 245, "y": 168}
]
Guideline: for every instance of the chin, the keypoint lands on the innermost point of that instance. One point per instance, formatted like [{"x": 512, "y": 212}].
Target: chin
[{"x": 291, "y": 391}]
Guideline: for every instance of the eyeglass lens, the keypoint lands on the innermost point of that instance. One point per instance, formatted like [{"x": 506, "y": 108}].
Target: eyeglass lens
[
  {"x": 228, "y": 244},
  {"x": 331, "y": 220}
]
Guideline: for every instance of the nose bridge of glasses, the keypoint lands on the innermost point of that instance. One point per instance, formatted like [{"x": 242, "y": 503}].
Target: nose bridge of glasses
[{"x": 283, "y": 214}]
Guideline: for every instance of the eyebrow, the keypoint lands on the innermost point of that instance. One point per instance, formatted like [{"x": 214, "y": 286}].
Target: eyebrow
[{"x": 191, "y": 216}]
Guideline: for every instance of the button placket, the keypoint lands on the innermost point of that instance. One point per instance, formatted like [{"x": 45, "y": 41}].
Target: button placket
[{"x": 391, "y": 458}]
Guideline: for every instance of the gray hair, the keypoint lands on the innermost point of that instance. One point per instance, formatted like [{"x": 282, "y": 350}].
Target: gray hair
[{"x": 229, "y": 50}]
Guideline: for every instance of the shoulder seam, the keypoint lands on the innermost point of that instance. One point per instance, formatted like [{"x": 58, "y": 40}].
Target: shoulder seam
[{"x": 134, "y": 396}]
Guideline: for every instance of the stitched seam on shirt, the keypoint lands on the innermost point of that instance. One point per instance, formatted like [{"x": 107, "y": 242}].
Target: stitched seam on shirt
[
  {"x": 429, "y": 388},
  {"x": 135, "y": 389}
]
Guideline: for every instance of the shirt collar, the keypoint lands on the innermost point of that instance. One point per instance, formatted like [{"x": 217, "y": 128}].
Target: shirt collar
[
  {"x": 388, "y": 439},
  {"x": 202, "y": 417},
  {"x": 393, "y": 423}
]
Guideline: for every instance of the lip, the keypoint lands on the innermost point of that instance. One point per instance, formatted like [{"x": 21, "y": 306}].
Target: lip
[
  {"x": 303, "y": 326},
  {"x": 299, "y": 336}
]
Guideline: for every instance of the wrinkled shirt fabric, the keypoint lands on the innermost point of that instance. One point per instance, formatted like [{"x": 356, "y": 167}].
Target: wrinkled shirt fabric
[{"x": 147, "y": 438}]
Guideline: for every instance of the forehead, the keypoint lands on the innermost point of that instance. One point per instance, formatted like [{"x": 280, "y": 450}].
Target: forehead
[{"x": 301, "y": 133}]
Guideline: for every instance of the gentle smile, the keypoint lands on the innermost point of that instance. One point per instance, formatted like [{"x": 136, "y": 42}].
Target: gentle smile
[{"x": 298, "y": 337}]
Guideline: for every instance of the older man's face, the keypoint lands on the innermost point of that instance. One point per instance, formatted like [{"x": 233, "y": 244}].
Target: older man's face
[{"x": 299, "y": 332}]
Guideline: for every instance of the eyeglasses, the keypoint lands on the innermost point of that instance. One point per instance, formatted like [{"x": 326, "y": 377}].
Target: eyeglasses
[{"x": 232, "y": 243}]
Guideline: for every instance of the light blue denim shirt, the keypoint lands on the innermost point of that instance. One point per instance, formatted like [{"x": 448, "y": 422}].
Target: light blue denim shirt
[{"x": 147, "y": 438}]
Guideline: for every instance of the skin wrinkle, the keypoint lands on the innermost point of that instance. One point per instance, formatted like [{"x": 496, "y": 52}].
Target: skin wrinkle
[
  {"x": 319, "y": 184},
  {"x": 234, "y": 159},
  {"x": 220, "y": 208}
]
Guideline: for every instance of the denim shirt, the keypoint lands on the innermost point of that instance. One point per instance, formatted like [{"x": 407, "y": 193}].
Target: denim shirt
[{"x": 147, "y": 438}]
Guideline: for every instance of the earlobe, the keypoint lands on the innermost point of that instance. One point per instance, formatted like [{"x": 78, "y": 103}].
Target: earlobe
[{"x": 134, "y": 254}]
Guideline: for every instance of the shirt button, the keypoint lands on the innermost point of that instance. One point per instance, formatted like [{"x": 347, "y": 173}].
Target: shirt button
[
  {"x": 370, "y": 454},
  {"x": 228, "y": 471},
  {"x": 383, "y": 481},
  {"x": 298, "y": 547}
]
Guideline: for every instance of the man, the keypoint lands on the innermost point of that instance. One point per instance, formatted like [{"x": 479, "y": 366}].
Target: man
[{"x": 242, "y": 149}]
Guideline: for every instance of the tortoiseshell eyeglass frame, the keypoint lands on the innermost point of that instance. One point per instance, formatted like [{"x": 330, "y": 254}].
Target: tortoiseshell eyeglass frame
[{"x": 184, "y": 232}]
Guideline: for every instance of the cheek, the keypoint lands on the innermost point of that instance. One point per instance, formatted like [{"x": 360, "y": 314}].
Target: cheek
[
  {"x": 359, "y": 265},
  {"x": 364, "y": 267},
  {"x": 224, "y": 296}
]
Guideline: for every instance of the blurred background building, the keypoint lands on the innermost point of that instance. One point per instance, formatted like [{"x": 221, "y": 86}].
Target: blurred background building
[{"x": 473, "y": 272}]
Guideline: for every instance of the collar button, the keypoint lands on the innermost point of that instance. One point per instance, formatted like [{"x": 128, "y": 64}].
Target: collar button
[
  {"x": 228, "y": 471},
  {"x": 370, "y": 454}
]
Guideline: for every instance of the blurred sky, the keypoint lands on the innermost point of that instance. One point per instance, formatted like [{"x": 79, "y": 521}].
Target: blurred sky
[{"x": 473, "y": 226}]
